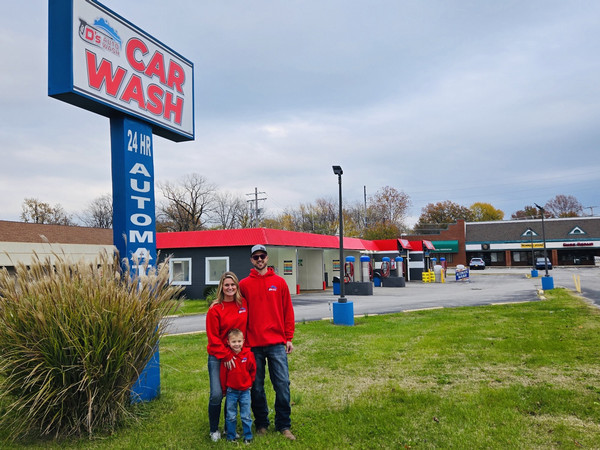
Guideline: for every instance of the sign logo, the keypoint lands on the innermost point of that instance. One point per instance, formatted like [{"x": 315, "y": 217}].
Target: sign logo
[{"x": 101, "y": 34}]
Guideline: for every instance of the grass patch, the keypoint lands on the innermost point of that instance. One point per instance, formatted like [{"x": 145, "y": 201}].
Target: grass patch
[
  {"x": 509, "y": 376},
  {"x": 192, "y": 306}
]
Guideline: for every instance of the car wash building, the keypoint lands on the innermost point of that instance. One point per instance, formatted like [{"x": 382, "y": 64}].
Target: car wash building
[{"x": 306, "y": 261}]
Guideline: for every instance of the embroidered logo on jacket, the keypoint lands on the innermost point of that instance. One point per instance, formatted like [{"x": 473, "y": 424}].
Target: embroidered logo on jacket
[
  {"x": 244, "y": 359},
  {"x": 272, "y": 288},
  {"x": 241, "y": 310}
]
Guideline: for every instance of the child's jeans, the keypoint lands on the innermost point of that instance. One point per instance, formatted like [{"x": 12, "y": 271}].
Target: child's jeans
[{"x": 235, "y": 397}]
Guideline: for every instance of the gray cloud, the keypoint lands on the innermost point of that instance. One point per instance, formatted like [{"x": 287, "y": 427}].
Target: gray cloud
[{"x": 460, "y": 100}]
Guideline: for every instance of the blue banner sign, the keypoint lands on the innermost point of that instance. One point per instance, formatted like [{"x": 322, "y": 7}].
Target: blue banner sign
[{"x": 462, "y": 274}]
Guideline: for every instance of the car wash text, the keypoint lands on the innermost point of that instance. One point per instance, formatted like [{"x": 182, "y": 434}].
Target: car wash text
[{"x": 163, "y": 95}]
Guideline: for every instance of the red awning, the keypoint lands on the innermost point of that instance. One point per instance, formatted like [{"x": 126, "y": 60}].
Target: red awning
[
  {"x": 429, "y": 245},
  {"x": 405, "y": 244}
]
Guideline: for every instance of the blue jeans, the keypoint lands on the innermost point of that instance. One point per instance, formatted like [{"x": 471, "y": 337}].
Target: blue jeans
[
  {"x": 276, "y": 357},
  {"x": 216, "y": 395},
  {"x": 235, "y": 397}
]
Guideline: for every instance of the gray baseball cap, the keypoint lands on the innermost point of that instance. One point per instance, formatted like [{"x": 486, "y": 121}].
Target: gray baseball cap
[{"x": 258, "y": 248}]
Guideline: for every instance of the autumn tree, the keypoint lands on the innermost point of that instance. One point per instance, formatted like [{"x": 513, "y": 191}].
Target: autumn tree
[
  {"x": 439, "y": 215},
  {"x": 483, "y": 212},
  {"x": 187, "y": 204},
  {"x": 528, "y": 212},
  {"x": 283, "y": 221},
  {"x": 563, "y": 206},
  {"x": 381, "y": 231},
  {"x": 99, "y": 212},
  {"x": 36, "y": 211}
]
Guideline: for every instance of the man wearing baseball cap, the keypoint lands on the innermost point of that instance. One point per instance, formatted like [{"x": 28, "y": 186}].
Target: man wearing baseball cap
[{"x": 269, "y": 333}]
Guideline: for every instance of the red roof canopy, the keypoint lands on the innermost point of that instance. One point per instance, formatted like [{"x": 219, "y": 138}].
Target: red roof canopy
[
  {"x": 252, "y": 236},
  {"x": 282, "y": 238}
]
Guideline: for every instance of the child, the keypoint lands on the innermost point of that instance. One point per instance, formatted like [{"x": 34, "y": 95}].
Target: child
[{"x": 237, "y": 382}]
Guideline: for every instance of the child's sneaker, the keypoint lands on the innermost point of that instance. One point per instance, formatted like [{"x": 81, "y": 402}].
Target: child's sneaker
[{"x": 215, "y": 436}]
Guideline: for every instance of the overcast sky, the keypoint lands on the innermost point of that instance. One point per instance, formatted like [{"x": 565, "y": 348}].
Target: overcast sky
[{"x": 468, "y": 101}]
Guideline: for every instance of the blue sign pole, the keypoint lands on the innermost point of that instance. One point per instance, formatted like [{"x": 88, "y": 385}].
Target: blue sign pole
[{"x": 134, "y": 224}]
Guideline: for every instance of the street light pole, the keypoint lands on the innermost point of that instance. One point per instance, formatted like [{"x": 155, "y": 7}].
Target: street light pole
[
  {"x": 532, "y": 253},
  {"x": 544, "y": 238},
  {"x": 337, "y": 170},
  {"x": 547, "y": 280}
]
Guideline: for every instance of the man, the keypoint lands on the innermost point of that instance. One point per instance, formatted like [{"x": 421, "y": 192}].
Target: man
[{"x": 269, "y": 333}]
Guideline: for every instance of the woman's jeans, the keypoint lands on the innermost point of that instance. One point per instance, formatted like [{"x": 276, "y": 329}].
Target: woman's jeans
[
  {"x": 216, "y": 395},
  {"x": 235, "y": 397},
  {"x": 276, "y": 358}
]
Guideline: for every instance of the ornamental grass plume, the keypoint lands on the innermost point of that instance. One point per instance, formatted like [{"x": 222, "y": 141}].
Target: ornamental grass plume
[{"x": 73, "y": 340}]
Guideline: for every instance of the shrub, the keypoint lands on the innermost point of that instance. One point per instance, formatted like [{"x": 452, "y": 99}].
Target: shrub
[
  {"x": 73, "y": 340},
  {"x": 210, "y": 295}
]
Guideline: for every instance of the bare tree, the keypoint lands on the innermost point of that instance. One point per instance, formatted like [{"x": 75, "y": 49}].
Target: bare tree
[
  {"x": 563, "y": 206},
  {"x": 388, "y": 205},
  {"x": 99, "y": 213},
  {"x": 35, "y": 211},
  {"x": 187, "y": 204},
  {"x": 229, "y": 211}
]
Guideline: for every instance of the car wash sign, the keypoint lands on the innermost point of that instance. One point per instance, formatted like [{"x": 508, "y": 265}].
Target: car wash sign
[{"x": 103, "y": 63}]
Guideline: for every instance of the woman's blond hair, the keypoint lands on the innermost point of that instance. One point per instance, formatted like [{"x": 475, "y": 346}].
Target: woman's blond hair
[{"x": 221, "y": 295}]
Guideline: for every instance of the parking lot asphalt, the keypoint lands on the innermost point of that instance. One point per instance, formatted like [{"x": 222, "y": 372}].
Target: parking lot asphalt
[{"x": 489, "y": 286}]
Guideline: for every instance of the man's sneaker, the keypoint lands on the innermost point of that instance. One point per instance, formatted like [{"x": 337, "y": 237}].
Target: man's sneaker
[
  {"x": 288, "y": 435},
  {"x": 215, "y": 436},
  {"x": 247, "y": 441},
  {"x": 261, "y": 431}
]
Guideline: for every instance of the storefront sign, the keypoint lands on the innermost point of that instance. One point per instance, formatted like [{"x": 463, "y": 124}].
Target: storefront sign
[
  {"x": 578, "y": 244},
  {"x": 535, "y": 245}
]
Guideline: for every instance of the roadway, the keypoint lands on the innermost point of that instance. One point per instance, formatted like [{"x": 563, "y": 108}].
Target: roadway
[{"x": 490, "y": 286}]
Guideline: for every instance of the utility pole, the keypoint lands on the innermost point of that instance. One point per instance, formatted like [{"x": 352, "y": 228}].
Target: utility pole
[
  {"x": 365, "y": 195},
  {"x": 254, "y": 205}
]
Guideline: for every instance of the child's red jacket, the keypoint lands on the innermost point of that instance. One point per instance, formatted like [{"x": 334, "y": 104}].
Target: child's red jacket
[{"x": 242, "y": 375}]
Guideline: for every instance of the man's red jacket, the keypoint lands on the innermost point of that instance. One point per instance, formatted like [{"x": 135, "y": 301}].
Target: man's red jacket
[{"x": 270, "y": 309}]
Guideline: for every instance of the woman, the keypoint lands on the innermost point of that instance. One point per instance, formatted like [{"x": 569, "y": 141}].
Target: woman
[{"x": 228, "y": 311}]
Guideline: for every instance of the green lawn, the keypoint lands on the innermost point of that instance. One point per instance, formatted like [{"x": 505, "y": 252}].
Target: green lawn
[
  {"x": 495, "y": 377},
  {"x": 193, "y": 306}
]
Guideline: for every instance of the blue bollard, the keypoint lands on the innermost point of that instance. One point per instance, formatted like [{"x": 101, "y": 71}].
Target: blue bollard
[
  {"x": 547, "y": 283},
  {"x": 343, "y": 313}
]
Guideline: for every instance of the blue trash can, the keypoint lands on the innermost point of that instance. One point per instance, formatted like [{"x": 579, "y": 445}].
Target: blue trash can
[
  {"x": 377, "y": 281},
  {"x": 336, "y": 286}
]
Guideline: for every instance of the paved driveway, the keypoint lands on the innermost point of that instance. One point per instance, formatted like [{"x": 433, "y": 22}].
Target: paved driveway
[{"x": 483, "y": 288}]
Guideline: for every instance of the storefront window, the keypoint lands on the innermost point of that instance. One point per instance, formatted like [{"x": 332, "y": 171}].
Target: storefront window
[
  {"x": 215, "y": 267},
  {"x": 180, "y": 271}
]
